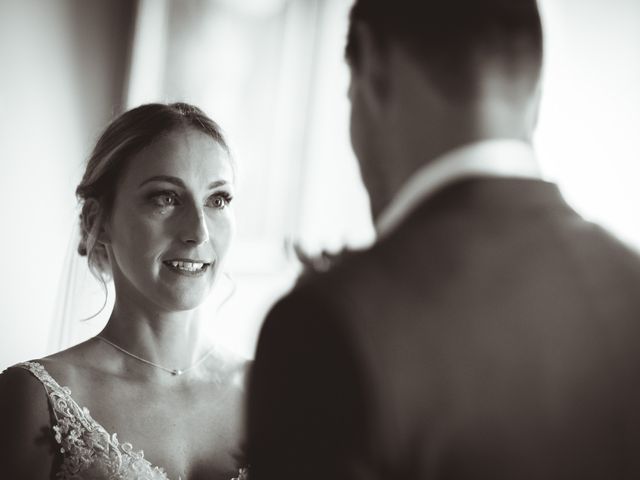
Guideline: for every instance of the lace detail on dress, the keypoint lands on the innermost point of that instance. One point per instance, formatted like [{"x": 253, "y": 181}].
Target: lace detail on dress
[{"x": 88, "y": 451}]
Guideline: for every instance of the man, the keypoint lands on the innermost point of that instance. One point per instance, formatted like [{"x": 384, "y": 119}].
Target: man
[{"x": 491, "y": 332}]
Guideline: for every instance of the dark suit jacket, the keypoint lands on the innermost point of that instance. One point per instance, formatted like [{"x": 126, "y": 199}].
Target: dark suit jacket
[{"x": 494, "y": 335}]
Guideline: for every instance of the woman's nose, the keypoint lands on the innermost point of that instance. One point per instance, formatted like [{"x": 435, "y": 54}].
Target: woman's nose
[{"x": 194, "y": 227}]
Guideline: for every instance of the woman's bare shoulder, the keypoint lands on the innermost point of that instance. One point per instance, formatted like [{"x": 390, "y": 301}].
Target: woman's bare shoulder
[
  {"x": 27, "y": 444},
  {"x": 77, "y": 354},
  {"x": 232, "y": 367},
  {"x": 22, "y": 396},
  {"x": 27, "y": 441},
  {"x": 65, "y": 365}
]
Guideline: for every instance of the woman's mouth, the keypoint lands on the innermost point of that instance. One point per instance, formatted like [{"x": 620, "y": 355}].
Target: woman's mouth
[{"x": 187, "y": 267}]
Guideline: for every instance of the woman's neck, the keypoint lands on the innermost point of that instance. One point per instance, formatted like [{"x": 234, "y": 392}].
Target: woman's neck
[{"x": 173, "y": 340}]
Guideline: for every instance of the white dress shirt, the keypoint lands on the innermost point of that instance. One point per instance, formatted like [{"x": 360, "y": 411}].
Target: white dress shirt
[{"x": 489, "y": 158}]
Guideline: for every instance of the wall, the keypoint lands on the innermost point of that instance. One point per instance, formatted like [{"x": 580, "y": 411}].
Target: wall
[
  {"x": 62, "y": 70},
  {"x": 589, "y": 133}
]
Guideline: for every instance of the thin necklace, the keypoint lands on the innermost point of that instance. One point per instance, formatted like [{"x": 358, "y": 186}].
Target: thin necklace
[{"x": 172, "y": 371}]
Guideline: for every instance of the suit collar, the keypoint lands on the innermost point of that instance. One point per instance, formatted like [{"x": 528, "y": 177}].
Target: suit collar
[{"x": 490, "y": 158}]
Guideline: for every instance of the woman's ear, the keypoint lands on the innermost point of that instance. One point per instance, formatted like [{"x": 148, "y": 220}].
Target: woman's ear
[{"x": 92, "y": 217}]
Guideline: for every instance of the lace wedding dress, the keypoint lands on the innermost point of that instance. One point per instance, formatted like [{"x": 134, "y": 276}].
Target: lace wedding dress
[{"x": 88, "y": 450}]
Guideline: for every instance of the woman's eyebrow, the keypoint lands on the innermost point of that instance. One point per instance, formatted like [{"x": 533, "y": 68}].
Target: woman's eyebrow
[
  {"x": 176, "y": 181},
  {"x": 163, "y": 178},
  {"x": 217, "y": 184}
]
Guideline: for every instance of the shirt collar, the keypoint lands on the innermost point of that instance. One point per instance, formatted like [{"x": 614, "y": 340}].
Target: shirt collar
[{"x": 488, "y": 158}]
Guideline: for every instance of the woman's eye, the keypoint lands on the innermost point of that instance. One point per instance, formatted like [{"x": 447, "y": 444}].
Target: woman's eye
[
  {"x": 219, "y": 201},
  {"x": 165, "y": 199}
]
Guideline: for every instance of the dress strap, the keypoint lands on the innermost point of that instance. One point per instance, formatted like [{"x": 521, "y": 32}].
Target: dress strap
[
  {"x": 81, "y": 439},
  {"x": 64, "y": 407}
]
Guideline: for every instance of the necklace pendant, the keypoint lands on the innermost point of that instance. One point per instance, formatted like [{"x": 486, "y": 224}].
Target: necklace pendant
[{"x": 175, "y": 372}]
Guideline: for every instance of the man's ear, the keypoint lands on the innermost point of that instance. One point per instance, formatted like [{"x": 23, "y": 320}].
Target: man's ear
[
  {"x": 93, "y": 220},
  {"x": 372, "y": 69}
]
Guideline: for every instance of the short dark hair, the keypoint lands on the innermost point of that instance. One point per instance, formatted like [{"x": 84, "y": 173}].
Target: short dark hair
[
  {"x": 123, "y": 138},
  {"x": 452, "y": 38}
]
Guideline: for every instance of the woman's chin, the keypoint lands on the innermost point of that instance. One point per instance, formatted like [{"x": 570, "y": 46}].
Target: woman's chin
[
  {"x": 179, "y": 300},
  {"x": 180, "y": 293}
]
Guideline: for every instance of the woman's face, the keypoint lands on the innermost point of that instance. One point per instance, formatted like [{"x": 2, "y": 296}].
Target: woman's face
[{"x": 172, "y": 222}]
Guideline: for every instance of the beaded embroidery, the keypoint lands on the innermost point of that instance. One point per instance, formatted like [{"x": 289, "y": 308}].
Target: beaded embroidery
[{"x": 87, "y": 448}]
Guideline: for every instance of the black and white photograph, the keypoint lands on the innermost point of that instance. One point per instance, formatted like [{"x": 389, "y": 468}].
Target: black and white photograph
[{"x": 320, "y": 239}]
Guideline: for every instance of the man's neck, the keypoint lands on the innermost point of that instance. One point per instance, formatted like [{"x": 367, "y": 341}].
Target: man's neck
[
  {"x": 486, "y": 158},
  {"x": 421, "y": 142}
]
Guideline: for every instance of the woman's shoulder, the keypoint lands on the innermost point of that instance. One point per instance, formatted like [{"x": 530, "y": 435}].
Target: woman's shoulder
[
  {"x": 25, "y": 387},
  {"x": 72, "y": 355},
  {"x": 69, "y": 364},
  {"x": 231, "y": 367},
  {"x": 17, "y": 383},
  {"x": 229, "y": 372},
  {"x": 27, "y": 444},
  {"x": 22, "y": 391}
]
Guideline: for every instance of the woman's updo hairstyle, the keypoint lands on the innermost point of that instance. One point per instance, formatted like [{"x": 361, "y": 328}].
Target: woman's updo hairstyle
[{"x": 125, "y": 136}]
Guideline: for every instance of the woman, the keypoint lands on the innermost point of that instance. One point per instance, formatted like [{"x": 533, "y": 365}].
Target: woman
[{"x": 157, "y": 219}]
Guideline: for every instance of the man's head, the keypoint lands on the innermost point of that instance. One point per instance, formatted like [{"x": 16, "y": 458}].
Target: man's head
[{"x": 428, "y": 75}]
